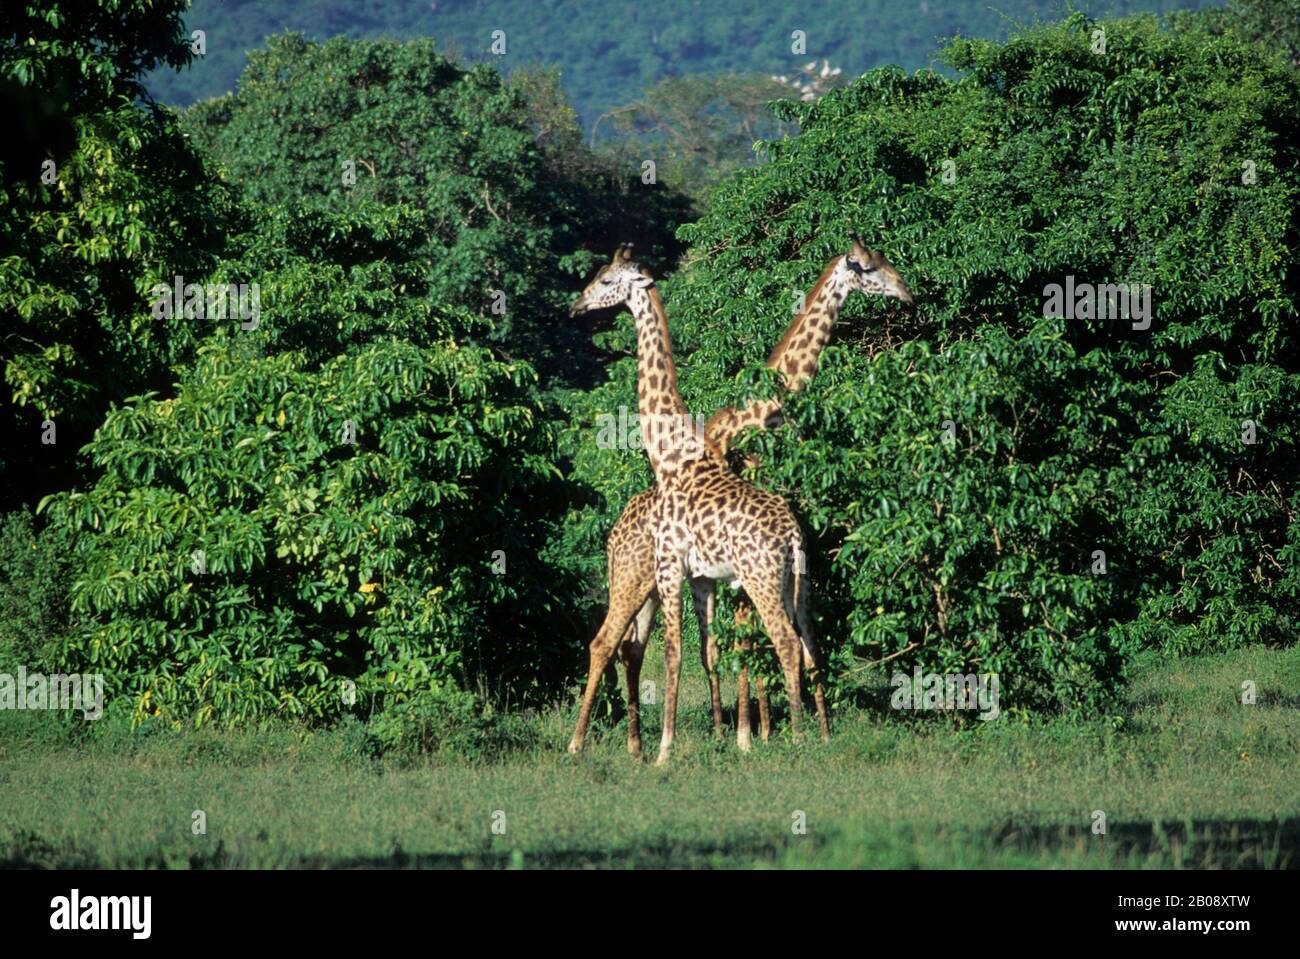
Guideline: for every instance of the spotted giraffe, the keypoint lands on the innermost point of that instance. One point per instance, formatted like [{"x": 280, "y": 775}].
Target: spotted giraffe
[
  {"x": 630, "y": 546},
  {"x": 796, "y": 356},
  {"x": 706, "y": 522}
]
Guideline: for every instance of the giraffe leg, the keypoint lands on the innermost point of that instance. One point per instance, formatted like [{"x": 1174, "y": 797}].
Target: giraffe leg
[
  {"x": 621, "y": 609},
  {"x": 809, "y": 653},
  {"x": 767, "y": 600},
  {"x": 704, "y": 594},
  {"x": 668, "y": 578},
  {"x": 744, "y": 613},
  {"x": 764, "y": 709},
  {"x": 632, "y": 652},
  {"x": 744, "y": 739}
]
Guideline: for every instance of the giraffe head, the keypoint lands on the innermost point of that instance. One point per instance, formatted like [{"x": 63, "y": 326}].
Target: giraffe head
[
  {"x": 870, "y": 273},
  {"x": 613, "y": 284}
]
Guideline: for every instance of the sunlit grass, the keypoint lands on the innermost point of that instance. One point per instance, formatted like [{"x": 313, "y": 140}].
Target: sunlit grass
[{"x": 1192, "y": 778}]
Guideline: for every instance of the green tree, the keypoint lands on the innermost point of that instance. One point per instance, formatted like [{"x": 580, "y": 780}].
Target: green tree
[
  {"x": 961, "y": 465},
  {"x": 1273, "y": 23},
  {"x": 102, "y": 198},
  {"x": 505, "y": 230},
  {"x": 345, "y": 492},
  {"x": 696, "y": 129}
]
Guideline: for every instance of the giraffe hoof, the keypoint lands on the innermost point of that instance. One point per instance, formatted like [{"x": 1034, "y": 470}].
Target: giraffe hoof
[
  {"x": 744, "y": 743},
  {"x": 575, "y": 747},
  {"x": 662, "y": 758},
  {"x": 634, "y": 747}
]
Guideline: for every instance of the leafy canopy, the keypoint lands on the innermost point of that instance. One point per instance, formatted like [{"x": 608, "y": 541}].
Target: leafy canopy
[
  {"x": 962, "y": 464},
  {"x": 506, "y": 225},
  {"x": 364, "y": 499},
  {"x": 100, "y": 198}
]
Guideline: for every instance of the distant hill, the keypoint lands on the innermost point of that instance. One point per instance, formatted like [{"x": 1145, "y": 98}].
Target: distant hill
[{"x": 610, "y": 51}]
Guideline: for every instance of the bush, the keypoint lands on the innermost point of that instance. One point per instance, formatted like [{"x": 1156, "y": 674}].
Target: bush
[
  {"x": 364, "y": 499},
  {"x": 432, "y": 722},
  {"x": 971, "y": 547},
  {"x": 35, "y": 577},
  {"x": 239, "y": 557}
]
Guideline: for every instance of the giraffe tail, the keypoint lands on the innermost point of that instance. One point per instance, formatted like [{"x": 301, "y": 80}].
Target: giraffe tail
[{"x": 799, "y": 565}]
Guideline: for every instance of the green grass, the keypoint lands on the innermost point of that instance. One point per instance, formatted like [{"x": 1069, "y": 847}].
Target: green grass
[{"x": 1191, "y": 778}]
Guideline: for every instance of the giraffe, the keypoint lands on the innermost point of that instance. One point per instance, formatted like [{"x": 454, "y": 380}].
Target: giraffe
[
  {"x": 706, "y": 522},
  {"x": 630, "y": 546},
  {"x": 795, "y": 356}
]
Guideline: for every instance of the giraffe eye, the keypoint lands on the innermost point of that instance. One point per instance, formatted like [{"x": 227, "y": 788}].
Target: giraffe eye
[{"x": 606, "y": 281}]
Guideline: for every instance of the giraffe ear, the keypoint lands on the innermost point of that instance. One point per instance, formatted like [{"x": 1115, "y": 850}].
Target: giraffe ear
[{"x": 859, "y": 248}]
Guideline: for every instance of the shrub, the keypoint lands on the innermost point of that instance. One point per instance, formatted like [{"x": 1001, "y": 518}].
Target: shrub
[
  {"x": 364, "y": 499},
  {"x": 448, "y": 722},
  {"x": 505, "y": 222},
  {"x": 971, "y": 547},
  {"x": 35, "y": 576},
  {"x": 239, "y": 557}
]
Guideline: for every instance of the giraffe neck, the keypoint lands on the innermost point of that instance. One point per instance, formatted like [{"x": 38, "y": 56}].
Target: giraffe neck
[
  {"x": 797, "y": 354},
  {"x": 795, "y": 357},
  {"x": 671, "y": 438}
]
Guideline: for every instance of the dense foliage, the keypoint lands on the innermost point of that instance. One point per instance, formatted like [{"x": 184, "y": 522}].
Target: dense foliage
[
  {"x": 961, "y": 464},
  {"x": 340, "y": 487},
  {"x": 360, "y": 498},
  {"x": 1273, "y": 25},
  {"x": 36, "y": 570},
  {"x": 697, "y": 130},
  {"x": 100, "y": 198},
  {"x": 506, "y": 231}
]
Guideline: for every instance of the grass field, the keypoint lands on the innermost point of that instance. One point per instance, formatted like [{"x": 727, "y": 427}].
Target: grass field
[{"x": 1190, "y": 779}]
